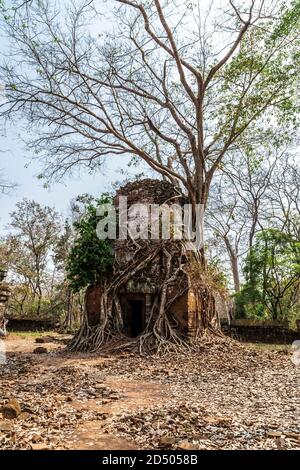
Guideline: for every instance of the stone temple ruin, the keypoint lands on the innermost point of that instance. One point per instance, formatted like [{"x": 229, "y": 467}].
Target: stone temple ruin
[
  {"x": 5, "y": 293},
  {"x": 155, "y": 280}
]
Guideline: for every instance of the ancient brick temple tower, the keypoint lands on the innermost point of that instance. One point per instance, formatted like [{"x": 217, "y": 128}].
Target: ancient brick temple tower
[
  {"x": 137, "y": 296},
  {"x": 139, "y": 293}
]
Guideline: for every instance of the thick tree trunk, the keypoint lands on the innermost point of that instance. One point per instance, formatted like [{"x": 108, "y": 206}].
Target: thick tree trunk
[
  {"x": 234, "y": 265},
  {"x": 40, "y": 294},
  {"x": 236, "y": 274}
]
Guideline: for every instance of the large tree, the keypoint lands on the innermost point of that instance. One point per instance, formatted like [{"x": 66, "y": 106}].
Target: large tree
[
  {"x": 176, "y": 85},
  {"x": 240, "y": 203},
  {"x": 254, "y": 192},
  {"x": 272, "y": 271},
  {"x": 30, "y": 247}
]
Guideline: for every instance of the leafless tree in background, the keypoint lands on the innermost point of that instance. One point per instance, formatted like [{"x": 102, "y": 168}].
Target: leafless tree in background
[{"x": 254, "y": 192}]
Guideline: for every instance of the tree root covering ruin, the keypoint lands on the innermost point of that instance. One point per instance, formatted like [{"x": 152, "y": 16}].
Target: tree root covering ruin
[{"x": 179, "y": 276}]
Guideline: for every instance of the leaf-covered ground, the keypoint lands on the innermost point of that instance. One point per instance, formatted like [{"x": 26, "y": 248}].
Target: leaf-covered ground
[{"x": 227, "y": 396}]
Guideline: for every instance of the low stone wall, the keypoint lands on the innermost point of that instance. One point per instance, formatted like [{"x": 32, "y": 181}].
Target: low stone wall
[
  {"x": 16, "y": 324},
  {"x": 271, "y": 332}
]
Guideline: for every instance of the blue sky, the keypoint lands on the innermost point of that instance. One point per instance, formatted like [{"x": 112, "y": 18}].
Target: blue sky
[{"x": 17, "y": 166}]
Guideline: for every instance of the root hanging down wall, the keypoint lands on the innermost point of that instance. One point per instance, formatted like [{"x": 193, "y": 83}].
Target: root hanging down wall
[
  {"x": 158, "y": 297},
  {"x": 176, "y": 312}
]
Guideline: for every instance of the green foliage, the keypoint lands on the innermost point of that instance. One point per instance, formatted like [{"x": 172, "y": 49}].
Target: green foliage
[
  {"x": 290, "y": 20},
  {"x": 266, "y": 69},
  {"x": 272, "y": 271},
  {"x": 248, "y": 303},
  {"x": 89, "y": 257}
]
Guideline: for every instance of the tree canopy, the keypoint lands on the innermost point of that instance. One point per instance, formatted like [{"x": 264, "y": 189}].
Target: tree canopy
[
  {"x": 176, "y": 85},
  {"x": 272, "y": 271}
]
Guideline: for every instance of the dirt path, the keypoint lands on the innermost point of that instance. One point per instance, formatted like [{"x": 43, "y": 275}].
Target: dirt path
[
  {"x": 226, "y": 397},
  {"x": 135, "y": 396}
]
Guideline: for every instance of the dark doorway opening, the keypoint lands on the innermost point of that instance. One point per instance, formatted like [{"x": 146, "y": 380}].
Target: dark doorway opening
[{"x": 134, "y": 317}]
